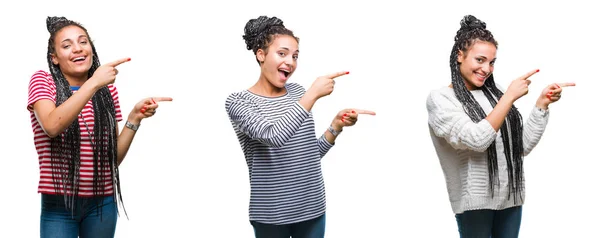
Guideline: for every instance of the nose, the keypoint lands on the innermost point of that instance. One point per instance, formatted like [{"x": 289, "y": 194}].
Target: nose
[
  {"x": 289, "y": 61},
  {"x": 486, "y": 68},
  {"x": 76, "y": 48}
]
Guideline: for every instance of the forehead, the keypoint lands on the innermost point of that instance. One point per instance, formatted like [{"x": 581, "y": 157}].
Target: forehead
[
  {"x": 285, "y": 41},
  {"x": 483, "y": 48},
  {"x": 69, "y": 33}
]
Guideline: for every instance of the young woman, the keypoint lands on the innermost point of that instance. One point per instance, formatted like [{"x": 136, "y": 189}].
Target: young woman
[
  {"x": 275, "y": 128},
  {"x": 480, "y": 137},
  {"x": 74, "y": 114}
]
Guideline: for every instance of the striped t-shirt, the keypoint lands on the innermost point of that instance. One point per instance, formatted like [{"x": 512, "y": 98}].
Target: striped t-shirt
[
  {"x": 283, "y": 154},
  {"x": 41, "y": 86}
]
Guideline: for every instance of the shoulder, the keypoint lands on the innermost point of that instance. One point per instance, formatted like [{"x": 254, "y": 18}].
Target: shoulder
[
  {"x": 41, "y": 75},
  {"x": 236, "y": 97},
  {"x": 441, "y": 95},
  {"x": 295, "y": 88}
]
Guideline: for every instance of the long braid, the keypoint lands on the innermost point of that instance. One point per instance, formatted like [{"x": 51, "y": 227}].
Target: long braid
[
  {"x": 65, "y": 148},
  {"x": 472, "y": 29}
]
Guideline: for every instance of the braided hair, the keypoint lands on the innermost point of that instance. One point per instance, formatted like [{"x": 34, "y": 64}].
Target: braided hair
[
  {"x": 472, "y": 30},
  {"x": 65, "y": 148},
  {"x": 259, "y": 33}
]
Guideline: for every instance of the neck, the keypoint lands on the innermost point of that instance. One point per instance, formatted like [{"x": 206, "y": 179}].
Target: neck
[
  {"x": 264, "y": 88},
  {"x": 76, "y": 80}
]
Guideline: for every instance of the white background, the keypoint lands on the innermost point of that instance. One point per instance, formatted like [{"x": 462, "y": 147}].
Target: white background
[{"x": 185, "y": 174}]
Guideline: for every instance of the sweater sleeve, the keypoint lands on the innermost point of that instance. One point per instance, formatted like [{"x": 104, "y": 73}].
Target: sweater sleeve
[
  {"x": 533, "y": 129},
  {"x": 256, "y": 125},
  {"x": 324, "y": 145},
  {"x": 448, "y": 120}
]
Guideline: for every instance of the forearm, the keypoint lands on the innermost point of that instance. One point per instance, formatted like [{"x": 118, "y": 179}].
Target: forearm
[
  {"x": 497, "y": 116},
  {"x": 125, "y": 138},
  {"x": 329, "y": 136},
  {"x": 308, "y": 101},
  {"x": 57, "y": 120}
]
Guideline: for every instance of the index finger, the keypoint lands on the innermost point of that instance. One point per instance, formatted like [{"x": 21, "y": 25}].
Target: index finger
[
  {"x": 359, "y": 111},
  {"x": 162, "y": 99},
  {"x": 562, "y": 85},
  {"x": 529, "y": 74},
  {"x": 118, "y": 62},
  {"x": 338, "y": 74}
]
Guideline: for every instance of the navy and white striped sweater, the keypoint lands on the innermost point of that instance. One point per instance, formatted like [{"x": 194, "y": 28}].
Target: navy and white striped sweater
[{"x": 277, "y": 137}]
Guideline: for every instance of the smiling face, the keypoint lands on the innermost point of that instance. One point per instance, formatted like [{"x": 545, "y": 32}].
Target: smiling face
[
  {"x": 72, "y": 51},
  {"x": 477, "y": 64},
  {"x": 279, "y": 61}
]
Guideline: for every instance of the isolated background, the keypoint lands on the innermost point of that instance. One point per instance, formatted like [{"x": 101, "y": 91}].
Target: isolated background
[{"x": 185, "y": 175}]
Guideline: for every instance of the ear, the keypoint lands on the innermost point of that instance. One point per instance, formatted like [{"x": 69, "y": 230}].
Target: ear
[
  {"x": 460, "y": 57},
  {"x": 54, "y": 59},
  {"x": 260, "y": 55}
]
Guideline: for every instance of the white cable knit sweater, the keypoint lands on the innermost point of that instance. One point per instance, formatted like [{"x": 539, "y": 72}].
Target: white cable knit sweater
[{"x": 461, "y": 144}]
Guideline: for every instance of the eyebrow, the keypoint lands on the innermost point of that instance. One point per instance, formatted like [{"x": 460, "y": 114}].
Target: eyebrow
[
  {"x": 79, "y": 37},
  {"x": 288, "y": 49},
  {"x": 485, "y": 57}
]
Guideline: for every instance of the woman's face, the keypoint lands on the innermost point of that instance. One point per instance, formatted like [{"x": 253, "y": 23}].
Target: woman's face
[
  {"x": 477, "y": 64},
  {"x": 73, "y": 51},
  {"x": 280, "y": 60}
]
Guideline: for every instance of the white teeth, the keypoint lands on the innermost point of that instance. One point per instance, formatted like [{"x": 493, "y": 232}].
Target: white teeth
[{"x": 79, "y": 58}]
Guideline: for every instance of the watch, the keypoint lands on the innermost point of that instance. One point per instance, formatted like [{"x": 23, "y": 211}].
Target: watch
[
  {"x": 333, "y": 131},
  {"x": 131, "y": 126}
]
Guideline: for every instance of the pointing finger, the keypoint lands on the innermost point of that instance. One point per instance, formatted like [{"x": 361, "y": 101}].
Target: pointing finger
[
  {"x": 359, "y": 111},
  {"x": 529, "y": 74},
  {"x": 118, "y": 62},
  {"x": 338, "y": 74}
]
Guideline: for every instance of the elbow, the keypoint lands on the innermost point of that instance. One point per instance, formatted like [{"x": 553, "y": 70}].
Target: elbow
[{"x": 51, "y": 130}]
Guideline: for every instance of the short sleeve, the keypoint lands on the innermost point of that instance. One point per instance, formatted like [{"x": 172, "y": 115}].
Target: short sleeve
[
  {"x": 41, "y": 86},
  {"x": 115, "y": 95}
]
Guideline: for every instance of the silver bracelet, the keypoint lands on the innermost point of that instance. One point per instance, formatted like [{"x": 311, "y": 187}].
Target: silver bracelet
[
  {"x": 131, "y": 126},
  {"x": 333, "y": 131}
]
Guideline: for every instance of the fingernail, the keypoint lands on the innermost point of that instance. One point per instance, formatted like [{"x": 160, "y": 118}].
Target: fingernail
[
  {"x": 342, "y": 119},
  {"x": 142, "y": 110},
  {"x": 550, "y": 92},
  {"x": 347, "y": 72},
  {"x": 345, "y": 114},
  {"x": 128, "y": 59},
  {"x": 153, "y": 100},
  {"x": 548, "y": 96},
  {"x": 537, "y": 70},
  {"x": 353, "y": 112}
]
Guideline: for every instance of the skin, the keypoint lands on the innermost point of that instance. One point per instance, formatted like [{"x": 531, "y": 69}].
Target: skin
[
  {"x": 71, "y": 43},
  {"x": 282, "y": 55},
  {"x": 477, "y": 64}
]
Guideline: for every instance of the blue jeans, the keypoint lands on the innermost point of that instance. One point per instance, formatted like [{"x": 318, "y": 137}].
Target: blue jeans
[
  {"x": 314, "y": 228},
  {"x": 84, "y": 221},
  {"x": 490, "y": 223}
]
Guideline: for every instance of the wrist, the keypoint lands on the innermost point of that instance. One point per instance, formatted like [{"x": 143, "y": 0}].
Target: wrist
[
  {"x": 134, "y": 119},
  {"x": 337, "y": 126},
  {"x": 540, "y": 103}
]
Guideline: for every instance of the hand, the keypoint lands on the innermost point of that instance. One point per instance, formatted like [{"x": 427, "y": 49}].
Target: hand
[
  {"x": 520, "y": 86},
  {"x": 551, "y": 94},
  {"x": 107, "y": 73},
  {"x": 146, "y": 108},
  {"x": 323, "y": 85},
  {"x": 348, "y": 117}
]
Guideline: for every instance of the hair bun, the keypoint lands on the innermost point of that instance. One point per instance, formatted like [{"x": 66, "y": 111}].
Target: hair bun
[
  {"x": 256, "y": 27},
  {"x": 51, "y": 22},
  {"x": 470, "y": 22}
]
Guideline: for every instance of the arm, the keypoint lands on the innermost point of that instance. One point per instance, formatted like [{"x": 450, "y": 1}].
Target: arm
[
  {"x": 125, "y": 138},
  {"x": 534, "y": 128},
  {"x": 255, "y": 124},
  {"x": 448, "y": 120},
  {"x": 327, "y": 140},
  {"x": 54, "y": 120}
]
